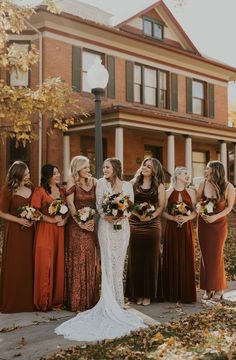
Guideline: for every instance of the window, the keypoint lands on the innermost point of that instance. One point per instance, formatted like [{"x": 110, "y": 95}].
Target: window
[
  {"x": 198, "y": 97},
  {"x": 20, "y": 78},
  {"x": 153, "y": 28},
  {"x": 199, "y": 162},
  {"x": 87, "y": 61},
  {"x": 150, "y": 86},
  {"x": 19, "y": 152}
]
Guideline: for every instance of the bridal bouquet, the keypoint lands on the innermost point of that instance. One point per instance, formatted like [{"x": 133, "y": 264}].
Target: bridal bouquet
[
  {"x": 117, "y": 205},
  {"x": 180, "y": 208},
  {"x": 206, "y": 206},
  {"x": 146, "y": 209},
  {"x": 57, "y": 207},
  {"x": 85, "y": 213},
  {"x": 29, "y": 213}
]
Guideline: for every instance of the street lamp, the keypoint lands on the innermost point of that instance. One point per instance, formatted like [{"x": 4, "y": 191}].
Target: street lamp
[{"x": 97, "y": 77}]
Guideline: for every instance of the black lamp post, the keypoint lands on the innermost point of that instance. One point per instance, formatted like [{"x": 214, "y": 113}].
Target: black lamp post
[{"x": 97, "y": 76}]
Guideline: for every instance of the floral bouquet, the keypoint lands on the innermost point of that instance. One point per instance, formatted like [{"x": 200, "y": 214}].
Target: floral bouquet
[
  {"x": 145, "y": 209},
  {"x": 206, "y": 206},
  {"x": 84, "y": 214},
  {"x": 57, "y": 207},
  {"x": 29, "y": 213},
  {"x": 180, "y": 208},
  {"x": 117, "y": 205}
]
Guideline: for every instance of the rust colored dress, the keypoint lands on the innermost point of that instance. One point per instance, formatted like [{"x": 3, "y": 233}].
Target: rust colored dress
[
  {"x": 178, "y": 256},
  {"x": 16, "y": 288},
  {"x": 81, "y": 257},
  {"x": 49, "y": 257},
  {"x": 211, "y": 239},
  {"x": 144, "y": 251}
]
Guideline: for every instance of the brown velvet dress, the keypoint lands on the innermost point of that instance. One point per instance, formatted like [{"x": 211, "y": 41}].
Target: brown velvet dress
[
  {"x": 144, "y": 251},
  {"x": 16, "y": 287},
  {"x": 211, "y": 239},
  {"x": 178, "y": 257},
  {"x": 81, "y": 257}
]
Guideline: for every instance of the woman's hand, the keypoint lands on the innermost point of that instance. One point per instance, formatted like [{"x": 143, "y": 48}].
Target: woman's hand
[
  {"x": 209, "y": 219},
  {"x": 25, "y": 223},
  {"x": 88, "y": 225},
  {"x": 110, "y": 218},
  {"x": 144, "y": 218}
]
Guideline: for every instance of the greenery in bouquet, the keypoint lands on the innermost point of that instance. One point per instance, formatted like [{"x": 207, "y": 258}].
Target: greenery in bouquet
[
  {"x": 144, "y": 209},
  {"x": 29, "y": 213},
  {"x": 85, "y": 214},
  {"x": 57, "y": 207}
]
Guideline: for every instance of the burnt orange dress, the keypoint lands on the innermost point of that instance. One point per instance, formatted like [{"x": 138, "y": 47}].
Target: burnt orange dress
[
  {"x": 16, "y": 287},
  {"x": 178, "y": 256},
  {"x": 81, "y": 257},
  {"x": 49, "y": 257},
  {"x": 211, "y": 239}
]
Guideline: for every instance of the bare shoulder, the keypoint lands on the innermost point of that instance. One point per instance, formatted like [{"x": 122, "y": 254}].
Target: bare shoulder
[
  {"x": 94, "y": 181},
  {"x": 161, "y": 188},
  {"x": 70, "y": 182}
]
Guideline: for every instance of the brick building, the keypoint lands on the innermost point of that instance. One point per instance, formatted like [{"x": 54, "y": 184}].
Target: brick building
[{"x": 163, "y": 97}]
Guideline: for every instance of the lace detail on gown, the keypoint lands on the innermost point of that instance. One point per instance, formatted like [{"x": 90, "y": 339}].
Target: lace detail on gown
[{"x": 107, "y": 320}]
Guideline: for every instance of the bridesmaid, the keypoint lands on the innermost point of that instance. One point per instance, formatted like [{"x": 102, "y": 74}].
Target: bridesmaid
[
  {"x": 81, "y": 245},
  {"x": 178, "y": 248},
  {"x": 16, "y": 288},
  {"x": 212, "y": 229},
  {"x": 144, "y": 248},
  {"x": 49, "y": 243}
]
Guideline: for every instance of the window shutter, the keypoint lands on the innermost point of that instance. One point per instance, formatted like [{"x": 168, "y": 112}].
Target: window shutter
[
  {"x": 129, "y": 81},
  {"x": 211, "y": 101},
  {"x": 76, "y": 68},
  {"x": 158, "y": 89},
  {"x": 189, "y": 95},
  {"x": 174, "y": 92},
  {"x": 111, "y": 89}
]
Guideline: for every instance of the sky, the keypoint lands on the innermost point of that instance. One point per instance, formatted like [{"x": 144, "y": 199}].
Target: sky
[{"x": 210, "y": 24}]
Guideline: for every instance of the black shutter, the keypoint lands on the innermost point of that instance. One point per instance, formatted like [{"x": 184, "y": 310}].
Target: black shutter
[
  {"x": 174, "y": 92},
  {"x": 189, "y": 99},
  {"x": 129, "y": 81},
  {"x": 211, "y": 101},
  {"x": 76, "y": 68},
  {"x": 111, "y": 87}
]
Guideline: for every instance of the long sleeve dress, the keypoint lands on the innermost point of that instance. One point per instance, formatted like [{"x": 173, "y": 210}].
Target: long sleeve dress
[
  {"x": 81, "y": 257},
  {"x": 49, "y": 256},
  {"x": 107, "y": 319},
  {"x": 178, "y": 256},
  {"x": 16, "y": 287}
]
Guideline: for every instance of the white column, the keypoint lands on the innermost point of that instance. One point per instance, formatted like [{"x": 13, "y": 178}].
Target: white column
[
  {"x": 119, "y": 144},
  {"x": 188, "y": 154},
  {"x": 234, "y": 164},
  {"x": 223, "y": 154},
  {"x": 171, "y": 153},
  {"x": 66, "y": 156}
]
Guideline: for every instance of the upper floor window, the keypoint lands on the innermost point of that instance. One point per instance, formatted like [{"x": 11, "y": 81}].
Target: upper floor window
[
  {"x": 20, "y": 78},
  {"x": 19, "y": 152},
  {"x": 198, "y": 97},
  {"x": 163, "y": 89},
  {"x": 88, "y": 59},
  {"x": 153, "y": 28}
]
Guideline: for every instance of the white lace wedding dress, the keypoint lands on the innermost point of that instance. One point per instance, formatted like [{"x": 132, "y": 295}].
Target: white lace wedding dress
[{"x": 107, "y": 319}]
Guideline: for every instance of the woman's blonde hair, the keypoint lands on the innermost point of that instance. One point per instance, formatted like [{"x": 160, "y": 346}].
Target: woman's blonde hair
[
  {"x": 77, "y": 164},
  {"x": 178, "y": 170}
]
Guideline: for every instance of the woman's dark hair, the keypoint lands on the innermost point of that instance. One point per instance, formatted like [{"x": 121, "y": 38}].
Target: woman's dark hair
[
  {"x": 157, "y": 174},
  {"x": 46, "y": 175},
  {"x": 218, "y": 178},
  {"x": 15, "y": 174},
  {"x": 117, "y": 168}
]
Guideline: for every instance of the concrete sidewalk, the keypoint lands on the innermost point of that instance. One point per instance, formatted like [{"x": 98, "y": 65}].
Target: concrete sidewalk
[{"x": 30, "y": 336}]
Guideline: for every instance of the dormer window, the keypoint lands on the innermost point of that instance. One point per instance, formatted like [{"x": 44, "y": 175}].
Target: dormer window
[{"x": 153, "y": 28}]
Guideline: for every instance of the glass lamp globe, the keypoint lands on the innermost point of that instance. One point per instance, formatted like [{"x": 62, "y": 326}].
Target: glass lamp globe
[{"x": 97, "y": 75}]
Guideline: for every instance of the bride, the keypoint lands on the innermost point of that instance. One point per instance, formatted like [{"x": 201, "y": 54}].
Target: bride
[{"x": 108, "y": 319}]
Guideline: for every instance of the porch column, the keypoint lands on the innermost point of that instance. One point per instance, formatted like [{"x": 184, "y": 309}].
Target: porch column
[
  {"x": 188, "y": 154},
  {"x": 119, "y": 144},
  {"x": 170, "y": 153},
  {"x": 223, "y": 154},
  {"x": 234, "y": 164},
  {"x": 66, "y": 156}
]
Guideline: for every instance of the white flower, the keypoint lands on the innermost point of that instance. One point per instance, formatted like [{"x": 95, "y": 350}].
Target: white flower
[
  {"x": 63, "y": 209},
  {"x": 114, "y": 212},
  {"x": 210, "y": 207},
  {"x": 84, "y": 217}
]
